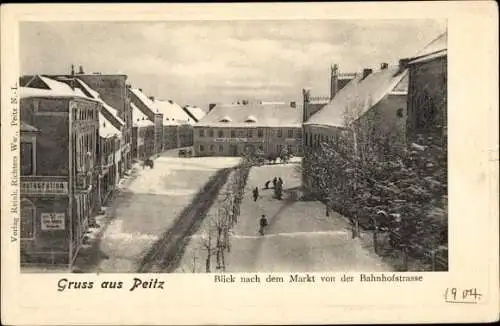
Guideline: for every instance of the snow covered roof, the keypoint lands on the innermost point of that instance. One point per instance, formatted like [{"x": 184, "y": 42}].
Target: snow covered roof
[
  {"x": 268, "y": 115},
  {"x": 106, "y": 128},
  {"x": 196, "y": 112},
  {"x": 359, "y": 95},
  {"x": 143, "y": 98},
  {"x": 172, "y": 112},
  {"x": 139, "y": 118},
  {"x": 54, "y": 89},
  {"x": 435, "y": 49}
]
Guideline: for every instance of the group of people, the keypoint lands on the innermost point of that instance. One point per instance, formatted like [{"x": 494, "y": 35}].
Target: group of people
[
  {"x": 278, "y": 188},
  {"x": 277, "y": 182}
]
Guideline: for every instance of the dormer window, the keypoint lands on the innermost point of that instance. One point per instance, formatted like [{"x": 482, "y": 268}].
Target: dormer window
[
  {"x": 250, "y": 119},
  {"x": 225, "y": 119}
]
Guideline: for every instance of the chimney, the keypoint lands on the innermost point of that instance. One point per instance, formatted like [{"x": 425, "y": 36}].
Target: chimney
[
  {"x": 140, "y": 90},
  {"x": 152, "y": 98},
  {"x": 366, "y": 72},
  {"x": 384, "y": 65},
  {"x": 293, "y": 104},
  {"x": 72, "y": 70},
  {"x": 334, "y": 81},
  {"x": 211, "y": 106},
  {"x": 80, "y": 70}
]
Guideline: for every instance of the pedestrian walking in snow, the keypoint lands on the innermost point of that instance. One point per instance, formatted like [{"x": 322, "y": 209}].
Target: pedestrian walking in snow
[
  {"x": 280, "y": 181},
  {"x": 267, "y": 184},
  {"x": 263, "y": 224},
  {"x": 255, "y": 194},
  {"x": 275, "y": 181}
]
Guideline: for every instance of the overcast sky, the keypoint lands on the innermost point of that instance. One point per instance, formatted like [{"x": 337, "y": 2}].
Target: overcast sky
[{"x": 198, "y": 62}]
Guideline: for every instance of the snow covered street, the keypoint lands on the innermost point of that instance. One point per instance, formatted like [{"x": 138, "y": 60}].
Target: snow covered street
[
  {"x": 148, "y": 207},
  {"x": 299, "y": 236}
]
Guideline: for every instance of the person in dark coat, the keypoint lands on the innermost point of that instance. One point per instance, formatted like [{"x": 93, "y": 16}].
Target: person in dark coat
[
  {"x": 280, "y": 181},
  {"x": 255, "y": 194},
  {"x": 267, "y": 184},
  {"x": 263, "y": 224},
  {"x": 275, "y": 181}
]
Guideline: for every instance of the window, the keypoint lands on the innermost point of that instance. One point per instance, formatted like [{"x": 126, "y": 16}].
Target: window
[
  {"x": 220, "y": 133},
  {"x": 299, "y": 134},
  {"x": 27, "y": 219},
  {"x": 290, "y": 133},
  {"x": 210, "y": 132},
  {"x": 221, "y": 148},
  {"x": 250, "y": 133},
  {"x": 289, "y": 148},
  {"x": 233, "y": 134},
  {"x": 280, "y": 133},
  {"x": 260, "y": 133},
  {"x": 202, "y": 148},
  {"x": 26, "y": 158},
  {"x": 212, "y": 148},
  {"x": 202, "y": 133}
]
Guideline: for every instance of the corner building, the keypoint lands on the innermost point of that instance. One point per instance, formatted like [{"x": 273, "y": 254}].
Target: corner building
[{"x": 232, "y": 130}]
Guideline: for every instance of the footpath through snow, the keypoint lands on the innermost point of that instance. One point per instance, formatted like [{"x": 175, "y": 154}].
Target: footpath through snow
[{"x": 300, "y": 238}]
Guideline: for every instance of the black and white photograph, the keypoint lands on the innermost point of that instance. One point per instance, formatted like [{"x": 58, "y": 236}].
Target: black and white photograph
[
  {"x": 233, "y": 146},
  {"x": 249, "y": 163}
]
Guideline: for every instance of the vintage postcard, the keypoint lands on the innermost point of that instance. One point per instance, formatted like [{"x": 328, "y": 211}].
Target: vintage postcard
[{"x": 250, "y": 163}]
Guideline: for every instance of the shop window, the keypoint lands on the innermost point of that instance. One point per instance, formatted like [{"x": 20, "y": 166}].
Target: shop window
[
  {"x": 210, "y": 133},
  {"x": 27, "y": 157},
  {"x": 27, "y": 219}
]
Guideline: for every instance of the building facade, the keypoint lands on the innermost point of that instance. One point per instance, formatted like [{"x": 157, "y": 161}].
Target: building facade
[
  {"x": 233, "y": 130},
  {"x": 427, "y": 95},
  {"x": 143, "y": 135},
  {"x": 59, "y": 170},
  {"x": 177, "y": 124},
  {"x": 108, "y": 147},
  {"x": 112, "y": 89},
  {"x": 146, "y": 105},
  {"x": 373, "y": 103}
]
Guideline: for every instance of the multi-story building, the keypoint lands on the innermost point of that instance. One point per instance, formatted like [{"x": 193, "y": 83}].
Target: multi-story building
[
  {"x": 375, "y": 101},
  {"x": 59, "y": 133},
  {"x": 231, "y": 130},
  {"x": 145, "y": 104},
  {"x": 112, "y": 89},
  {"x": 427, "y": 94},
  {"x": 107, "y": 148},
  {"x": 177, "y": 124},
  {"x": 143, "y": 135}
]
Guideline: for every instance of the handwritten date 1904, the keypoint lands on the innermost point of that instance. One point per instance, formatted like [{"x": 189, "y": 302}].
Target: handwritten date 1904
[{"x": 457, "y": 295}]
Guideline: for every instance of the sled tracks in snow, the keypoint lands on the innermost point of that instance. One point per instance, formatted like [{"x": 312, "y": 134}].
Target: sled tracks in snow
[{"x": 166, "y": 253}]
